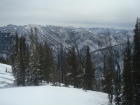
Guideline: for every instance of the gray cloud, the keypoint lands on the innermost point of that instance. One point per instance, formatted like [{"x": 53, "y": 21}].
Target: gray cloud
[{"x": 78, "y": 13}]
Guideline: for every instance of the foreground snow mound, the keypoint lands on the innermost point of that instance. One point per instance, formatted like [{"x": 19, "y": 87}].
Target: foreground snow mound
[
  {"x": 10, "y": 94},
  {"x": 6, "y": 76},
  {"x": 49, "y": 95}
]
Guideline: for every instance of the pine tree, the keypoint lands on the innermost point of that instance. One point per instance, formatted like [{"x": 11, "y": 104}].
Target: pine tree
[
  {"x": 16, "y": 63},
  {"x": 31, "y": 59},
  {"x": 136, "y": 64},
  {"x": 66, "y": 70},
  {"x": 27, "y": 71},
  {"x": 19, "y": 65},
  {"x": 89, "y": 78},
  {"x": 34, "y": 59},
  {"x": 60, "y": 63},
  {"x": 108, "y": 77},
  {"x": 46, "y": 63},
  {"x": 22, "y": 60},
  {"x": 15, "y": 53},
  {"x": 127, "y": 79},
  {"x": 104, "y": 76},
  {"x": 36, "y": 56},
  {"x": 41, "y": 66},
  {"x": 74, "y": 72},
  {"x": 68, "y": 74},
  {"x": 17, "y": 70},
  {"x": 50, "y": 73},
  {"x": 117, "y": 87},
  {"x": 63, "y": 66}
]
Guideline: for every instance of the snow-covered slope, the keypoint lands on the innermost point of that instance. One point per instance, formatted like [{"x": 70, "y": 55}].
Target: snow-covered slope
[
  {"x": 10, "y": 94},
  {"x": 6, "y": 76},
  {"x": 49, "y": 95}
]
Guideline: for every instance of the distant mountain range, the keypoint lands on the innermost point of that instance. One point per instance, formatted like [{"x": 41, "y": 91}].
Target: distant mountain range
[
  {"x": 55, "y": 35},
  {"x": 96, "y": 38}
]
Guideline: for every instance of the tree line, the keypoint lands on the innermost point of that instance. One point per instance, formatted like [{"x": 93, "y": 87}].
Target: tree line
[
  {"x": 34, "y": 63},
  {"x": 124, "y": 88}
]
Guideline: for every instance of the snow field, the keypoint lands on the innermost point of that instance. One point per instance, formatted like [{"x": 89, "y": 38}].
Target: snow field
[
  {"x": 10, "y": 94},
  {"x": 49, "y": 95},
  {"x": 6, "y": 78}
]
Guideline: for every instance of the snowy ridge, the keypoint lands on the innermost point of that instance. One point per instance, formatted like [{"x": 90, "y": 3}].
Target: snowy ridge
[{"x": 56, "y": 35}]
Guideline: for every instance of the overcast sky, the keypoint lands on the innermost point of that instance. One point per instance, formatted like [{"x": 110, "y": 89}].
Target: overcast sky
[{"x": 77, "y": 13}]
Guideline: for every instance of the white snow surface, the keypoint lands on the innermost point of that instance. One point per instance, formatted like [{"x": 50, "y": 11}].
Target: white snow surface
[
  {"x": 6, "y": 78},
  {"x": 10, "y": 94}
]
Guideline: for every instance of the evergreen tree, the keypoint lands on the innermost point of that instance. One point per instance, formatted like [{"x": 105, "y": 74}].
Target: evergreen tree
[
  {"x": 34, "y": 60},
  {"x": 16, "y": 69},
  {"x": 27, "y": 70},
  {"x": 66, "y": 70},
  {"x": 74, "y": 72},
  {"x": 108, "y": 82},
  {"x": 18, "y": 65},
  {"x": 15, "y": 53},
  {"x": 46, "y": 63},
  {"x": 22, "y": 61},
  {"x": 68, "y": 74},
  {"x": 136, "y": 64},
  {"x": 117, "y": 87},
  {"x": 31, "y": 59},
  {"x": 41, "y": 62},
  {"x": 127, "y": 79},
  {"x": 89, "y": 78},
  {"x": 50, "y": 73},
  {"x": 60, "y": 63},
  {"x": 104, "y": 77},
  {"x": 110, "y": 78},
  {"x": 63, "y": 66}
]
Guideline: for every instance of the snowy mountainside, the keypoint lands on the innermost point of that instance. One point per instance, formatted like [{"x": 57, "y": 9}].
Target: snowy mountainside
[
  {"x": 96, "y": 38},
  {"x": 67, "y": 36},
  {"x": 10, "y": 94}
]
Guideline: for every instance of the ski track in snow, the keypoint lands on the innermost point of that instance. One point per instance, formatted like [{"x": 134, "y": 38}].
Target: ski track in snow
[{"x": 10, "y": 94}]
